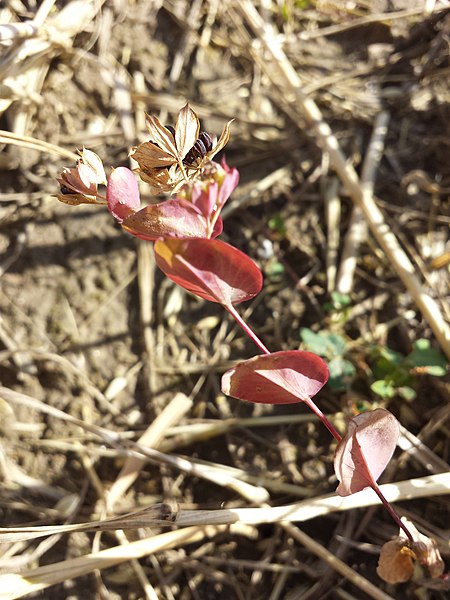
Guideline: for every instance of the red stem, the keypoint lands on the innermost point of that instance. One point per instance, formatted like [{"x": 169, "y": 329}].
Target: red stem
[
  {"x": 237, "y": 317},
  {"x": 309, "y": 402},
  {"x": 392, "y": 512},
  {"x": 316, "y": 410}
]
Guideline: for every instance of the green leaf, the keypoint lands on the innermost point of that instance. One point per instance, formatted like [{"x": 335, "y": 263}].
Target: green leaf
[
  {"x": 424, "y": 356},
  {"x": 323, "y": 343},
  {"x": 407, "y": 392},
  {"x": 340, "y": 301},
  {"x": 383, "y": 388},
  {"x": 342, "y": 373},
  {"x": 314, "y": 342},
  {"x": 275, "y": 271},
  {"x": 276, "y": 223},
  {"x": 435, "y": 371},
  {"x": 336, "y": 344}
]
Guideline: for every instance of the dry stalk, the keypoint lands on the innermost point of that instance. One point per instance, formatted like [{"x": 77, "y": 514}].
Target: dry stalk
[
  {"x": 357, "y": 229},
  {"x": 281, "y": 72}
]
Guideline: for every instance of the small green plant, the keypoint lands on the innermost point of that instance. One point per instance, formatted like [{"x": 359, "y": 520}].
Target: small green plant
[
  {"x": 396, "y": 373},
  {"x": 333, "y": 347}
]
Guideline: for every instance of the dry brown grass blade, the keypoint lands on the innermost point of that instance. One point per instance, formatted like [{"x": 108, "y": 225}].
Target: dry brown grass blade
[
  {"x": 18, "y": 585},
  {"x": 152, "y": 438},
  {"x": 162, "y": 514},
  {"x": 282, "y": 74},
  {"x": 26, "y": 141},
  {"x": 336, "y": 564},
  {"x": 357, "y": 229},
  {"x": 216, "y": 475}
]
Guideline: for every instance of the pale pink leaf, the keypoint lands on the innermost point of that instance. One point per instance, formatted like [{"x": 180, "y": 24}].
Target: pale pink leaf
[
  {"x": 365, "y": 450},
  {"x": 122, "y": 193},
  {"x": 210, "y": 269},
  {"x": 205, "y": 199}
]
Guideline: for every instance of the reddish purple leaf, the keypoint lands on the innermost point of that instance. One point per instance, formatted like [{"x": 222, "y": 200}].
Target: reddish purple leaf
[
  {"x": 365, "y": 450},
  {"x": 228, "y": 184},
  {"x": 210, "y": 269},
  {"x": 170, "y": 219},
  {"x": 205, "y": 199},
  {"x": 122, "y": 193},
  {"x": 277, "y": 378}
]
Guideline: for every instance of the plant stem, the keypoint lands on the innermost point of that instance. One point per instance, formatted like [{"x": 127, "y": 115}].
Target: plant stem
[
  {"x": 183, "y": 171},
  {"x": 316, "y": 410},
  {"x": 236, "y": 316},
  {"x": 309, "y": 402},
  {"x": 392, "y": 512}
]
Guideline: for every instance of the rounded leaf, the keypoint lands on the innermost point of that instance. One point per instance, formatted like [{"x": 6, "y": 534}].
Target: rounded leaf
[
  {"x": 277, "y": 378},
  {"x": 365, "y": 450},
  {"x": 210, "y": 269}
]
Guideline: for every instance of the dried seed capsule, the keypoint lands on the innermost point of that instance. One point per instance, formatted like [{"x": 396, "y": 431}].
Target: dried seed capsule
[{"x": 199, "y": 150}]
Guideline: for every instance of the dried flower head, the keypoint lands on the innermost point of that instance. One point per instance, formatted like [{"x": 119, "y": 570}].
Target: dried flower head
[
  {"x": 176, "y": 155},
  {"x": 78, "y": 185},
  {"x": 399, "y": 558}
]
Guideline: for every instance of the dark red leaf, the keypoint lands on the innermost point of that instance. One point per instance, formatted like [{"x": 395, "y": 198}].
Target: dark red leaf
[
  {"x": 210, "y": 269},
  {"x": 277, "y": 378}
]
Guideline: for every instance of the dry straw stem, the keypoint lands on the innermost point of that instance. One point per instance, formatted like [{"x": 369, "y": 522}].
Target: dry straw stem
[
  {"x": 216, "y": 475},
  {"x": 299, "y": 512},
  {"x": 152, "y": 438},
  {"x": 357, "y": 229},
  {"x": 18, "y": 585},
  {"x": 26, "y": 141},
  {"x": 332, "y": 217},
  {"x": 336, "y": 564},
  {"x": 25, "y": 63},
  {"x": 282, "y": 74}
]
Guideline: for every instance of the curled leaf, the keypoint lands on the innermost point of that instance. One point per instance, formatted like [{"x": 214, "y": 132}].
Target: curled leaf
[
  {"x": 149, "y": 156},
  {"x": 78, "y": 185},
  {"x": 122, "y": 193},
  {"x": 365, "y": 450},
  {"x": 161, "y": 136},
  {"x": 277, "y": 378},
  {"x": 222, "y": 141},
  {"x": 396, "y": 562},
  {"x": 210, "y": 269},
  {"x": 399, "y": 556},
  {"x": 92, "y": 166},
  {"x": 176, "y": 155}
]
